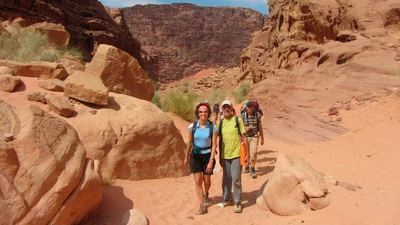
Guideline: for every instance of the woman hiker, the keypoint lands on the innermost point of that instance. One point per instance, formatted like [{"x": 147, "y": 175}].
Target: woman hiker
[{"x": 200, "y": 151}]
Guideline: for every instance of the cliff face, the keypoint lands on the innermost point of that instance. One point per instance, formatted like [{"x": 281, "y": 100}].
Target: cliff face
[
  {"x": 316, "y": 58},
  {"x": 89, "y": 22},
  {"x": 297, "y": 26},
  {"x": 178, "y": 40}
]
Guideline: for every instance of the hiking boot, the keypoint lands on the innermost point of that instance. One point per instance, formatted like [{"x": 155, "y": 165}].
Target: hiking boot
[
  {"x": 238, "y": 208},
  {"x": 225, "y": 203},
  {"x": 246, "y": 169},
  {"x": 202, "y": 210},
  {"x": 206, "y": 200},
  {"x": 253, "y": 172}
]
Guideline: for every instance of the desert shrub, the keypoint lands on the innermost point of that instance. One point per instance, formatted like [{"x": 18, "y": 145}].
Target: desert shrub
[
  {"x": 242, "y": 91},
  {"x": 26, "y": 45},
  {"x": 180, "y": 103},
  {"x": 73, "y": 50},
  {"x": 107, "y": 179},
  {"x": 217, "y": 95},
  {"x": 156, "y": 99}
]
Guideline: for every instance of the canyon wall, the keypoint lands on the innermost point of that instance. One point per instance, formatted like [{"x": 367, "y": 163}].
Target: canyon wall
[{"x": 180, "y": 39}]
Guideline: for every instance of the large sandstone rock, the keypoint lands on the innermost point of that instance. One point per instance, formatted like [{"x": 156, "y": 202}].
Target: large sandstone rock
[
  {"x": 294, "y": 187},
  {"x": 42, "y": 70},
  {"x": 87, "y": 88},
  {"x": 59, "y": 105},
  {"x": 52, "y": 84},
  {"x": 41, "y": 168},
  {"x": 132, "y": 138},
  {"x": 120, "y": 72},
  {"x": 9, "y": 82},
  {"x": 88, "y": 22},
  {"x": 84, "y": 199},
  {"x": 56, "y": 33},
  {"x": 182, "y": 39}
]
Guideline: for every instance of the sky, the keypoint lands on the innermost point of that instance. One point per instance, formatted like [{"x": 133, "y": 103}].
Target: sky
[{"x": 258, "y": 5}]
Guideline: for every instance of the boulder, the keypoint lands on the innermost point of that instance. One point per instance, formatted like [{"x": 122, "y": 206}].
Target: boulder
[
  {"x": 294, "y": 187},
  {"x": 37, "y": 96},
  {"x": 42, "y": 70},
  {"x": 84, "y": 200},
  {"x": 42, "y": 168},
  {"x": 85, "y": 87},
  {"x": 9, "y": 82},
  {"x": 132, "y": 138},
  {"x": 6, "y": 70},
  {"x": 52, "y": 84},
  {"x": 56, "y": 33},
  {"x": 120, "y": 72},
  {"x": 72, "y": 63},
  {"x": 59, "y": 105},
  {"x": 134, "y": 217}
]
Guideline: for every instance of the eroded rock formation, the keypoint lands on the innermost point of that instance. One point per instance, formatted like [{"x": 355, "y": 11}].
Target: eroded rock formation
[
  {"x": 316, "y": 54},
  {"x": 42, "y": 168}
]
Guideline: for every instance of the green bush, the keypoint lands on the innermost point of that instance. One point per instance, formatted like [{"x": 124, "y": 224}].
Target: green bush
[
  {"x": 73, "y": 50},
  {"x": 156, "y": 99},
  {"x": 240, "y": 94},
  {"x": 180, "y": 103},
  {"x": 217, "y": 95},
  {"x": 26, "y": 45}
]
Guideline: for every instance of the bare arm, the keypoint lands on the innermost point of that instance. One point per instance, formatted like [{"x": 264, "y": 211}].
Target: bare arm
[
  {"x": 188, "y": 148},
  {"x": 261, "y": 133}
]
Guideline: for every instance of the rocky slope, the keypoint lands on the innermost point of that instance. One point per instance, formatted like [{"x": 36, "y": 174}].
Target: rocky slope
[
  {"x": 179, "y": 40},
  {"x": 316, "y": 57},
  {"x": 89, "y": 22}
]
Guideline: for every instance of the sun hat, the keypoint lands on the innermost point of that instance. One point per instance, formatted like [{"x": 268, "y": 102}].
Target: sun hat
[{"x": 226, "y": 102}]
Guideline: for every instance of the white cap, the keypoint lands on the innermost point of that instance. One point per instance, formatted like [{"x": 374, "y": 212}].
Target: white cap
[{"x": 226, "y": 102}]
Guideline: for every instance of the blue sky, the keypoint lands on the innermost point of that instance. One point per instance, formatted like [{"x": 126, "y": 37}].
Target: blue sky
[{"x": 259, "y": 5}]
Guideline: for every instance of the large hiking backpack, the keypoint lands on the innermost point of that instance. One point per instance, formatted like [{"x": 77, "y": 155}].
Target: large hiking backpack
[
  {"x": 245, "y": 114},
  {"x": 216, "y": 108}
]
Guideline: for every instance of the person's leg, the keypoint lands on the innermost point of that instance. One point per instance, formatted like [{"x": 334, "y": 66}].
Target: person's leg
[
  {"x": 207, "y": 185},
  {"x": 236, "y": 172},
  {"x": 198, "y": 179},
  {"x": 253, "y": 145},
  {"x": 226, "y": 179}
]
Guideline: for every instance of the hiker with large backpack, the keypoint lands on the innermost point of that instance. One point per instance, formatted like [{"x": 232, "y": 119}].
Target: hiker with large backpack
[
  {"x": 254, "y": 132},
  {"x": 200, "y": 152},
  {"x": 216, "y": 111},
  {"x": 229, "y": 139}
]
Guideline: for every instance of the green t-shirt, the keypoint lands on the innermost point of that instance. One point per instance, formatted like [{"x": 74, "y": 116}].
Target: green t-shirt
[{"x": 230, "y": 137}]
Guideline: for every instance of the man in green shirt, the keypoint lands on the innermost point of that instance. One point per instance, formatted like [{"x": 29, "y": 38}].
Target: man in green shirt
[{"x": 230, "y": 155}]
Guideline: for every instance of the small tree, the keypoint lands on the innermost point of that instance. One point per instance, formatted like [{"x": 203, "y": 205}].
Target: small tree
[
  {"x": 217, "y": 95},
  {"x": 180, "y": 103},
  {"x": 244, "y": 89}
]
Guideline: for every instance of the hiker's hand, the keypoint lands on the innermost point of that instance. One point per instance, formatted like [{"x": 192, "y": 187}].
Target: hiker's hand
[
  {"x": 209, "y": 167},
  {"x": 185, "y": 162}
]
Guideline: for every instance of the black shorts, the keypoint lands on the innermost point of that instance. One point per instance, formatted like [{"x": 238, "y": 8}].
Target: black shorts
[{"x": 199, "y": 163}]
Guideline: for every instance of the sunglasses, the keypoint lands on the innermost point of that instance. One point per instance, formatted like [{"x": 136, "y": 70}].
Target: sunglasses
[{"x": 203, "y": 111}]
